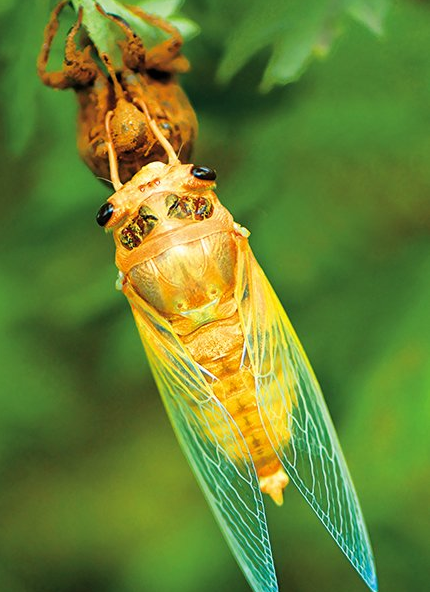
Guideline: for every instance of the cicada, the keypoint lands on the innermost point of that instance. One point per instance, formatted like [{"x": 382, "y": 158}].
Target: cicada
[
  {"x": 145, "y": 74},
  {"x": 239, "y": 390}
]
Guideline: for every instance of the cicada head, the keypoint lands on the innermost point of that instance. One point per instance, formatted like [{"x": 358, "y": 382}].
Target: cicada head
[{"x": 177, "y": 189}]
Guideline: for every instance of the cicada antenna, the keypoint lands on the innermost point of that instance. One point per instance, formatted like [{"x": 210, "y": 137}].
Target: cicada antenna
[
  {"x": 180, "y": 149},
  {"x": 173, "y": 159},
  {"x": 119, "y": 94},
  {"x": 113, "y": 161}
]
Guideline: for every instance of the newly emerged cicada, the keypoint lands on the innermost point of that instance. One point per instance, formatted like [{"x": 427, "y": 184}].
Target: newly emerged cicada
[{"x": 238, "y": 388}]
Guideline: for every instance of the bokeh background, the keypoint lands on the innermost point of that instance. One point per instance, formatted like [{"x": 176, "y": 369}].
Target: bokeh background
[{"x": 332, "y": 176}]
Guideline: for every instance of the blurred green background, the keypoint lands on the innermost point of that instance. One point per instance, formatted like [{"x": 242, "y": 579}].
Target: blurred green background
[{"x": 332, "y": 176}]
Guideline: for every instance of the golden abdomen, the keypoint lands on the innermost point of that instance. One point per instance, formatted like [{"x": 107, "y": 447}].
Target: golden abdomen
[{"x": 218, "y": 348}]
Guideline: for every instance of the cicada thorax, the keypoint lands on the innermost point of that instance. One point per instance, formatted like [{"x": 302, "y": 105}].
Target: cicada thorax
[{"x": 179, "y": 254}]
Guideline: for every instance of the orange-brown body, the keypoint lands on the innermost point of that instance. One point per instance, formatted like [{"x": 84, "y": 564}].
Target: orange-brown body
[
  {"x": 134, "y": 143},
  {"x": 146, "y": 75}
]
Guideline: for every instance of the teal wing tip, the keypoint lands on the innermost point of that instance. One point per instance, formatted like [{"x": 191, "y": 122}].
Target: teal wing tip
[{"x": 371, "y": 579}]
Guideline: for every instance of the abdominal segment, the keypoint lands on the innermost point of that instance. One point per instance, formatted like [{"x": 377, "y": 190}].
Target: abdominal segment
[{"x": 218, "y": 347}]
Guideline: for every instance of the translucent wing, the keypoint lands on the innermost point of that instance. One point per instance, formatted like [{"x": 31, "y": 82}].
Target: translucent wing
[
  {"x": 295, "y": 416},
  {"x": 213, "y": 446}
]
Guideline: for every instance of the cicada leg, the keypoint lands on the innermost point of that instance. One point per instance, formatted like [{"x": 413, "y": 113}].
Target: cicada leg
[
  {"x": 79, "y": 69},
  {"x": 165, "y": 56},
  {"x": 119, "y": 93},
  {"x": 133, "y": 51}
]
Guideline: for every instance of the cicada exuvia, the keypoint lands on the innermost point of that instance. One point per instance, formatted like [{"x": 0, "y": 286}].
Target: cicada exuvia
[
  {"x": 145, "y": 74},
  {"x": 238, "y": 388}
]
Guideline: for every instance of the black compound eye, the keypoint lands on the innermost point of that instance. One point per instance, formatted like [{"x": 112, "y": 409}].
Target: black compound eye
[
  {"x": 104, "y": 214},
  {"x": 204, "y": 173}
]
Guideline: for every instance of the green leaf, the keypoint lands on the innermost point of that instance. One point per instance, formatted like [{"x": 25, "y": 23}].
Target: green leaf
[
  {"x": 163, "y": 8},
  {"x": 105, "y": 34},
  {"x": 310, "y": 34},
  {"x": 370, "y": 13},
  {"x": 187, "y": 28},
  {"x": 295, "y": 32}
]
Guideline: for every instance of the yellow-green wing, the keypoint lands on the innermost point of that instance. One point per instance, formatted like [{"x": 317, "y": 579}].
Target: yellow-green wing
[
  {"x": 213, "y": 446},
  {"x": 295, "y": 415}
]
